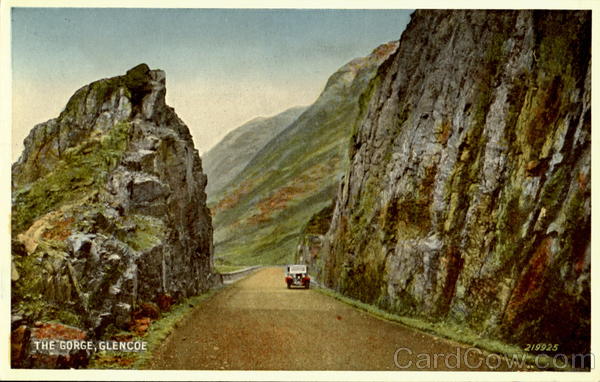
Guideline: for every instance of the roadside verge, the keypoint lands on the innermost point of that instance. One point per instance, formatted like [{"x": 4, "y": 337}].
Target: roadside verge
[
  {"x": 160, "y": 329},
  {"x": 449, "y": 331}
]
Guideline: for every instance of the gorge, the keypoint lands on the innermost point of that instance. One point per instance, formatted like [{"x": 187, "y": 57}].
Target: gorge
[{"x": 444, "y": 177}]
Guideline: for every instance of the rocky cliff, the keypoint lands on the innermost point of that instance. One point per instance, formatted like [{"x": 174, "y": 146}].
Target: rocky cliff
[
  {"x": 259, "y": 216},
  {"x": 108, "y": 209},
  {"x": 467, "y": 198}
]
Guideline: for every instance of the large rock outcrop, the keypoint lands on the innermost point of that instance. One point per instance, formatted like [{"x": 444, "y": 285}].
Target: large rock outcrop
[
  {"x": 468, "y": 193},
  {"x": 109, "y": 208}
]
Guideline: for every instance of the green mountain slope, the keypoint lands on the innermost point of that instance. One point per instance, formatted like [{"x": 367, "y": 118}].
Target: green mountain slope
[
  {"x": 228, "y": 158},
  {"x": 262, "y": 211}
]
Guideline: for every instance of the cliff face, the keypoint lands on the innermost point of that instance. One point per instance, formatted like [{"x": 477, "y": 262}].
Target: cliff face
[
  {"x": 109, "y": 208},
  {"x": 260, "y": 214},
  {"x": 468, "y": 193}
]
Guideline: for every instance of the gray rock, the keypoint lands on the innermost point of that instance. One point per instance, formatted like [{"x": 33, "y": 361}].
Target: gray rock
[
  {"x": 81, "y": 242},
  {"x": 139, "y": 227},
  {"x": 146, "y": 188},
  {"x": 467, "y": 196},
  {"x": 122, "y": 314}
]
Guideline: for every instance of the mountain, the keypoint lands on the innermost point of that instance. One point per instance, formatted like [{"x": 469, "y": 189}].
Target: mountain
[
  {"x": 228, "y": 158},
  {"x": 467, "y": 198},
  {"x": 261, "y": 212},
  {"x": 108, "y": 209}
]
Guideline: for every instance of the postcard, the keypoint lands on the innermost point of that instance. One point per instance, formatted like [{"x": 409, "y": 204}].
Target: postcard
[{"x": 298, "y": 191}]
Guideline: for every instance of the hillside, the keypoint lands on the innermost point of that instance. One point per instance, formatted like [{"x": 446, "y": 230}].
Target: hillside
[
  {"x": 230, "y": 156},
  {"x": 468, "y": 195},
  {"x": 258, "y": 219}
]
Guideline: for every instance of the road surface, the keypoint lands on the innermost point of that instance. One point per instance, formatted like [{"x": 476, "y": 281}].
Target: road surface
[{"x": 259, "y": 324}]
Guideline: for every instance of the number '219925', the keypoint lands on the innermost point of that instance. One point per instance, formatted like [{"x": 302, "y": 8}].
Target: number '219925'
[{"x": 541, "y": 347}]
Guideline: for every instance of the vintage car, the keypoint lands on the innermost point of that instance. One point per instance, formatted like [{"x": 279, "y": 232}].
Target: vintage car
[{"x": 297, "y": 275}]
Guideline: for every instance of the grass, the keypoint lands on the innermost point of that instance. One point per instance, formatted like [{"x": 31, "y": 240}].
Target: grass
[
  {"x": 267, "y": 244},
  {"x": 149, "y": 232},
  {"x": 82, "y": 170},
  {"x": 157, "y": 333},
  {"x": 450, "y": 331},
  {"x": 274, "y": 240}
]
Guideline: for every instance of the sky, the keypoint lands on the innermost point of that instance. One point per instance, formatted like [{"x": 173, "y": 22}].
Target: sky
[{"x": 224, "y": 67}]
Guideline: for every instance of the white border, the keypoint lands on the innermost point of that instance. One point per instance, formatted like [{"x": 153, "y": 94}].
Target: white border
[{"x": 5, "y": 150}]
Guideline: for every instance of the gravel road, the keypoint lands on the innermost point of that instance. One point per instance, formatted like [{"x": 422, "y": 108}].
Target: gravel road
[{"x": 258, "y": 324}]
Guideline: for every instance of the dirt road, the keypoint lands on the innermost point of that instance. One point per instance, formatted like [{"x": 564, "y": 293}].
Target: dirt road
[{"x": 258, "y": 324}]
